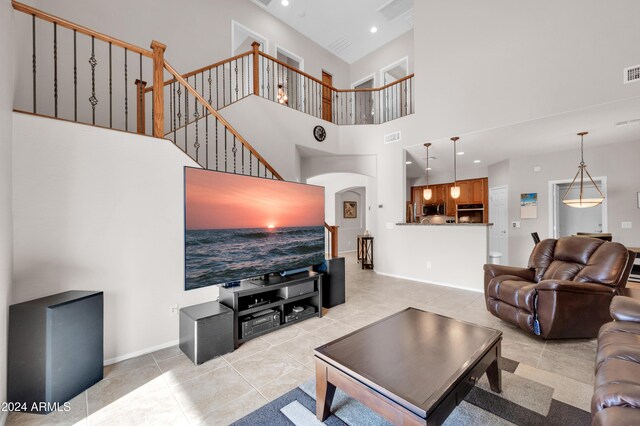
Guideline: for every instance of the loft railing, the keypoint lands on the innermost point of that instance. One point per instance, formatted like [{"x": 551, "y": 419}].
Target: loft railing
[
  {"x": 286, "y": 85},
  {"x": 255, "y": 72},
  {"x": 84, "y": 76}
]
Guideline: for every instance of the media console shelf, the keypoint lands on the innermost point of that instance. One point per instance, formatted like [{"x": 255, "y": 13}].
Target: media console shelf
[{"x": 268, "y": 294}]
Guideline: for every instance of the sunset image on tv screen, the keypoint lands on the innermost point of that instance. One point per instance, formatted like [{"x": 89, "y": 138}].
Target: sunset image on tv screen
[{"x": 239, "y": 227}]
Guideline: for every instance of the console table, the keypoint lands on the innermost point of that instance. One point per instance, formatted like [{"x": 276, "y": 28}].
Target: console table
[{"x": 253, "y": 296}]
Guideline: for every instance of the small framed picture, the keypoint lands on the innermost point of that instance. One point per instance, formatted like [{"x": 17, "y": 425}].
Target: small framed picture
[{"x": 350, "y": 210}]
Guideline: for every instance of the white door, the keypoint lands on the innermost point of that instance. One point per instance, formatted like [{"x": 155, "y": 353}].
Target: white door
[{"x": 499, "y": 216}]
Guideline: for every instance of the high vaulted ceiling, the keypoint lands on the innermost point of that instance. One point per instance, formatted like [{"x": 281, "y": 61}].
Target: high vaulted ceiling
[
  {"x": 343, "y": 26},
  {"x": 616, "y": 122}
]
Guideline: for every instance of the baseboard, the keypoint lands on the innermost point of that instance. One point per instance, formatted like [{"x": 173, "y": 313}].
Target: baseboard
[
  {"x": 428, "y": 282},
  {"x": 3, "y": 417},
  {"x": 347, "y": 251},
  {"x": 138, "y": 353}
]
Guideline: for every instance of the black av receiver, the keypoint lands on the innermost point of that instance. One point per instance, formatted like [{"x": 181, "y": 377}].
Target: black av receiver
[{"x": 258, "y": 322}]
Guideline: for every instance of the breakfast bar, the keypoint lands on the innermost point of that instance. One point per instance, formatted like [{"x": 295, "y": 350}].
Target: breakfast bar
[{"x": 447, "y": 254}]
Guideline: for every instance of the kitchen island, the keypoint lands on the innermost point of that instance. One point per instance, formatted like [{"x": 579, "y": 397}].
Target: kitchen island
[{"x": 447, "y": 254}]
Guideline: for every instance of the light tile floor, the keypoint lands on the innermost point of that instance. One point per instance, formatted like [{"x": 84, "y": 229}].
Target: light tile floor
[{"x": 166, "y": 388}]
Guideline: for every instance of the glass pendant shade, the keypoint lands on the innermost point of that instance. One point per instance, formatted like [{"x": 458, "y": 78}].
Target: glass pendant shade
[
  {"x": 427, "y": 193},
  {"x": 455, "y": 192},
  {"x": 581, "y": 202},
  {"x": 455, "y": 189}
]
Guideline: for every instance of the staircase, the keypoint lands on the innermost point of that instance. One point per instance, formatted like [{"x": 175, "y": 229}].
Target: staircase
[{"x": 108, "y": 87}]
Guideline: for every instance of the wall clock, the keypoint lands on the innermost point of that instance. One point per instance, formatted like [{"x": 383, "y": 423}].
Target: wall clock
[{"x": 319, "y": 133}]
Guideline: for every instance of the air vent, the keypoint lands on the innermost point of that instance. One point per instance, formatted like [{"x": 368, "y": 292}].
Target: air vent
[
  {"x": 632, "y": 74},
  {"x": 395, "y": 9},
  {"x": 339, "y": 45},
  {"x": 263, "y": 3},
  {"x": 392, "y": 137},
  {"x": 634, "y": 122}
]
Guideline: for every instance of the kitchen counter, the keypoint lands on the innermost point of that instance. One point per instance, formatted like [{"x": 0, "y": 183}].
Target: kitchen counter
[{"x": 444, "y": 224}]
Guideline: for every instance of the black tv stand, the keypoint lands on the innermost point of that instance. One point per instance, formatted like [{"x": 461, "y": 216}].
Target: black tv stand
[{"x": 243, "y": 298}]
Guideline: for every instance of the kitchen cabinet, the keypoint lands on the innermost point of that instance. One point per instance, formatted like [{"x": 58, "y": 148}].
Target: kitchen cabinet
[{"x": 472, "y": 191}]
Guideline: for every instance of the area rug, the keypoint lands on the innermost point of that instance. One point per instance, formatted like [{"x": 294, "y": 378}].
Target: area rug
[{"x": 522, "y": 402}]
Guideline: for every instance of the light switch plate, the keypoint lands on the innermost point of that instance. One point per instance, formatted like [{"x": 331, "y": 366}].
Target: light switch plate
[
  {"x": 626, "y": 225},
  {"x": 515, "y": 224},
  {"x": 537, "y": 169}
]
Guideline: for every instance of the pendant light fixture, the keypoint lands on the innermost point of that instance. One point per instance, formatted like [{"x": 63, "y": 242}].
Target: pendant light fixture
[
  {"x": 582, "y": 202},
  {"x": 455, "y": 189},
  {"x": 427, "y": 193}
]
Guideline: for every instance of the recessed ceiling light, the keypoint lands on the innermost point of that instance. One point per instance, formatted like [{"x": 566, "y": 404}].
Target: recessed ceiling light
[
  {"x": 373, "y": 29},
  {"x": 428, "y": 168},
  {"x": 285, "y": 2},
  {"x": 461, "y": 153},
  {"x": 476, "y": 161},
  {"x": 408, "y": 162}
]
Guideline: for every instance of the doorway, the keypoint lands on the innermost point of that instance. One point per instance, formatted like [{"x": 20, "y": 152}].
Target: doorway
[
  {"x": 289, "y": 81},
  {"x": 566, "y": 221},
  {"x": 363, "y": 102},
  {"x": 327, "y": 101},
  {"x": 499, "y": 216},
  {"x": 394, "y": 102}
]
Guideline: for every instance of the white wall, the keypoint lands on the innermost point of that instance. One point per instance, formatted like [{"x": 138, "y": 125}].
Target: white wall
[
  {"x": 391, "y": 52},
  {"x": 485, "y": 64},
  {"x": 6, "y": 216},
  {"x": 101, "y": 210},
  {"x": 618, "y": 162},
  {"x": 337, "y": 183},
  {"x": 350, "y": 228}
]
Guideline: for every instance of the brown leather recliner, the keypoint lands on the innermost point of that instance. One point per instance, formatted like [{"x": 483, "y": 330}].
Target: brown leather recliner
[
  {"x": 616, "y": 396},
  {"x": 566, "y": 290}
]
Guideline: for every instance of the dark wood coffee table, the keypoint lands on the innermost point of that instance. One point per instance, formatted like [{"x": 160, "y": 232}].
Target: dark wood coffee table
[{"x": 413, "y": 367}]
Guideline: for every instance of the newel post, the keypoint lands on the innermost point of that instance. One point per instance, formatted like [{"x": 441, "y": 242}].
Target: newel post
[
  {"x": 334, "y": 241},
  {"x": 140, "y": 86},
  {"x": 158, "y": 88},
  {"x": 256, "y": 68}
]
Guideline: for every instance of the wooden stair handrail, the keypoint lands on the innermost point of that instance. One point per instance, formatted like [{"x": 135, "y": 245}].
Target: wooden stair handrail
[
  {"x": 21, "y": 7},
  {"x": 221, "y": 119},
  {"x": 203, "y": 69}
]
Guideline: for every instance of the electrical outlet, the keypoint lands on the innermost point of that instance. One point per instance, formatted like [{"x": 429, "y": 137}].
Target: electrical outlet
[
  {"x": 626, "y": 225},
  {"x": 173, "y": 309},
  {"x": 428, "y": 265}
]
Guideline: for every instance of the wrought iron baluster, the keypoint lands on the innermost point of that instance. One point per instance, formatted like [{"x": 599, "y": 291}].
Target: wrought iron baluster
[
  {"x": 250, "y": 163},
  {"x": 179, "y": 115},
  {"x": 205, "y": 114},
  {"x": 268, "y": 81},
  {"x": 230, "y": 85},
  {"x": 33, "y": 61},
  {"x": 242, "y": 158},
  {"x": 234, "y": 150},
  {"x": 126, "y": 92},
  {"x": 141, "y": 93},
  {"x": 216, "y": 143},
  {"x": 75, "y": 77},
  {"x": 173, "y": 90},
  {"x": 93, "y": 62},
  {"x": 55, "y": 69},
  {"x": 209, "y": 80},
  {"x": 110, "y": 88},
  {"x": 217, "y": 89},
  {"x": 196, "y": 115},
  {"x": 236, "y": 69},
  {"x": 171, "y": 107},
  {"x": 186, "y": 118},
  {"x": 225, "y": 149}
]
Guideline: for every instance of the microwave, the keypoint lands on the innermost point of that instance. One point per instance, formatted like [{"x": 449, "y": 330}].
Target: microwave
[{"x": 432, "y": 209}]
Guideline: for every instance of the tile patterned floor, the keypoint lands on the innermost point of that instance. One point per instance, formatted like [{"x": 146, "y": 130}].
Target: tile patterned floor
[{"x": 166, "y": 388}]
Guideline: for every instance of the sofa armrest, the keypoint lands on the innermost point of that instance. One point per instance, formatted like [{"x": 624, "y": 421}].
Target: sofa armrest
[
  {"x": 625, "y": 308},
  {"x": 574, "y": 287},
  {"x": 497, "y": 270}
]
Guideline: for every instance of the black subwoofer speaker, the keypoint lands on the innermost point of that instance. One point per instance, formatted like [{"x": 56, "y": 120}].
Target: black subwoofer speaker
[
  {"x": 333, "y": 293},
  {"x": 55, "y": 349}
]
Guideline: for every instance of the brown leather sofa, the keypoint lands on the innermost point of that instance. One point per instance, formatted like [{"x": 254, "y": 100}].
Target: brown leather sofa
[
  {"x": 566, "y": 290},
  {"x": 616, "y": 399}
]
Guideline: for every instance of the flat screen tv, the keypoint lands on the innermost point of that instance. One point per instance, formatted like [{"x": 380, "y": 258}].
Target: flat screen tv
[{"x": 239, "y": 227}]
